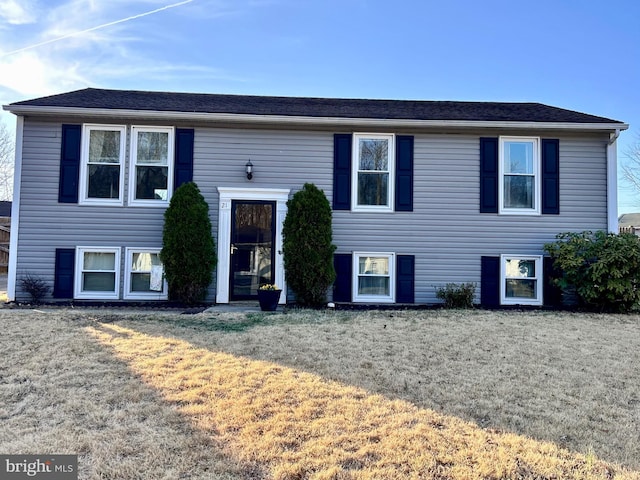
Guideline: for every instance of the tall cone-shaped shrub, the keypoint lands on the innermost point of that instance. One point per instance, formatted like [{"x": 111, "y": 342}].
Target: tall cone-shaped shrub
[
  {"x": 188, "y": 249},
  {"x": 307, "y": 247}
]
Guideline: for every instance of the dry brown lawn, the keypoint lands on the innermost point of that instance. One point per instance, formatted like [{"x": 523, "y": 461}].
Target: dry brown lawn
[{"x": 324, "y": 395}]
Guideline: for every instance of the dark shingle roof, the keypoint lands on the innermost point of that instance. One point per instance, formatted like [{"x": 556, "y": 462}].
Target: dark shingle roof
[{"x": 312, "y": 107}]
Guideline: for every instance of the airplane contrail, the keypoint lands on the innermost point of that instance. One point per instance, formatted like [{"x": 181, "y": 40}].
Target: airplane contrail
[{"x": 95, "y": 28}]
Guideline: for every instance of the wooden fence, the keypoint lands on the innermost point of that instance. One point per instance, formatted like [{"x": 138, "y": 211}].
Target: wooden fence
[{"x": 5, "y": 234}]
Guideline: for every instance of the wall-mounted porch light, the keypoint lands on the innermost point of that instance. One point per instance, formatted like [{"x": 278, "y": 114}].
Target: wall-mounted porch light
[{"x": 249, "y": 170}]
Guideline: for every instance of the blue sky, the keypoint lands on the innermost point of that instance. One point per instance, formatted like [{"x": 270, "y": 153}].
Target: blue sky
[{"x": 578, "y": 54}]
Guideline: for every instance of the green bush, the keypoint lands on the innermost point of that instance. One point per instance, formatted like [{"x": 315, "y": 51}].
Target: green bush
[
  {"x": 307, "y": 247},
  {"x": 188, "y": 249},
  {"x": 603, "y": 268},
  {"x": 457, "y": 295}
]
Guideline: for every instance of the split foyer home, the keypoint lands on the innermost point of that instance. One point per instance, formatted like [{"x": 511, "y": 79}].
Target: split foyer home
[{"x": 424, "y": 193}]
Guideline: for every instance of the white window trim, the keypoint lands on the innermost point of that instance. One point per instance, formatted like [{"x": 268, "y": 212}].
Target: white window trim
[
  {"x": 537, "y": 190},
  {"x": 128, "y": 294},
  {"x": 132, "y": 165},
  {"x": 391, "y": 298},
  {"x": 78, "y": 293},
  {"x": 539, "y": 280},
  {"x": 355, "y": 164},
  {"x": 84, "y": 160}
]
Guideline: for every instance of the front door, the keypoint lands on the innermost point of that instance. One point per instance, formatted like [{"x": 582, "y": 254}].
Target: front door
[{"x": 252, "y": 247}]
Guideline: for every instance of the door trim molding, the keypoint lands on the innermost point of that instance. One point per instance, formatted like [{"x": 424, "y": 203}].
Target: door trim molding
[{"x": 227, "y": 194}]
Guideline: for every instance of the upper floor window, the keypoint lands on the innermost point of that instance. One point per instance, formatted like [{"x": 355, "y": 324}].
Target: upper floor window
[
  {"x": 102, "y": 172},
  {"x": 373, "y": 172},
  {"x": 151, "y": 165},
  {"x": 519, "y": 167}
]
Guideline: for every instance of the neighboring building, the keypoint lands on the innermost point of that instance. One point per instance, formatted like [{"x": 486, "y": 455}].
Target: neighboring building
[
  {"x": 629, "y": 223},
  {"x": 423, "y": 193}
]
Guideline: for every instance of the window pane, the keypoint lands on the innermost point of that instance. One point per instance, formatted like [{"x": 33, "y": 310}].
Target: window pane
[
  {"x": 140, "y": 282},
  {"x": 518, "y": 191},
  {"x": 373, "y": 265},
  {"x": 151, "y": 183},
  {"x": 520, "y": 268},
  {"x": 374, "y": 154},
  {"x": 153, "y": 147},
  {"x": 373, "y": 189},
  {"x": 104, "y": 181},
  {"x": 518, "y": 157},
  {"x": 373, "y": 286},
  {"x": 98, "y": 282},
  {"x": 521, "y": 289},
  {"x": 104, "y": 146},
  {"x": 99, "y": 261},
  {"x": 142, "y": 262}
]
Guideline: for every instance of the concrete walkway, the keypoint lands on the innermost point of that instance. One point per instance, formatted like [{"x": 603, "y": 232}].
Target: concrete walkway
[{"x": 237, "y": 307}]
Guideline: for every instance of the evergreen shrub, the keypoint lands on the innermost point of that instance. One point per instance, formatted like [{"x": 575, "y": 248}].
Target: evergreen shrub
[
  {"x": 188, "y": 249},
  {"x": 307, "y": 247},
  {"x": 604, "y": 268}
]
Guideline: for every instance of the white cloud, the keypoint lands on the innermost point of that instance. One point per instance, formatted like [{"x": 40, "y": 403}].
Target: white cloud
[
  {"x": 17, "y": 12},
  {"x": 28, "y": 74}
]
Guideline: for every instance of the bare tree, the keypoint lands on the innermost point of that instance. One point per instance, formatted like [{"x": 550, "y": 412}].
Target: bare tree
[
  {"x": 631, "y": 165},
  {"x": 6, "y": 163}
]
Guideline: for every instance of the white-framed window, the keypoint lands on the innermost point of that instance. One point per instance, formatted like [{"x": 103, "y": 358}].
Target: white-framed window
[
  {"x": 374, "y": 277},
  {"x": 144, "y": 275},
  {"x": 373, "y": 167},
  {"x": 151, "y": 171},
  {"x": 97, "y": 274},
  {"x": 102, "y": 165},
  {"x": 521, "y": 279},
  {"x": 519, "y": 173}
]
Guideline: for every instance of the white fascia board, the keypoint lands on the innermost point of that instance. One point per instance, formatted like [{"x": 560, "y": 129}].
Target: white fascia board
[{"x": 306, "y": 120}]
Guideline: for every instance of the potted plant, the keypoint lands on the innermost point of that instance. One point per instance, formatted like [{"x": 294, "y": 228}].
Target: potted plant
[{"x": 268, "y": 296}]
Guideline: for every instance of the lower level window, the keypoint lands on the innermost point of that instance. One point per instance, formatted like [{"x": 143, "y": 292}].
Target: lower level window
[
  {"x": 521, "y": 282},
  {"x": 97, "y": 272},
  {"x": 374, "y": 280},
  {"x": 144, "y": 276}
]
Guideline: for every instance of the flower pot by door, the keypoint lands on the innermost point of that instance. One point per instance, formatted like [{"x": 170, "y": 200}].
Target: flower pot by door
[{"x": 269, "y": 299}]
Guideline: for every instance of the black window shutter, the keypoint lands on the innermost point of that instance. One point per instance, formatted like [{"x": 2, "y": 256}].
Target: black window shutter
[
  {"x": 405, "y": 278},
  {"x": 342, "y": 171},
  {"x": 551, "y": 293},
  {"x": 488, "y": 175},
  {"x": 550, "y": 176},
  {"x": 404, "y": 173},
  {"x": 183, "y": 167},
  {"x": 69, "y": 164},
  {"x": 64, "y": 271},
  {"x": 490, "y": 282},
  {"x": 342, "y": 263}
]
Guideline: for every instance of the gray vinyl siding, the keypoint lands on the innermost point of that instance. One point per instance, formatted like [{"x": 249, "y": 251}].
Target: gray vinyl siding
[{"x": 445, "y": 232}]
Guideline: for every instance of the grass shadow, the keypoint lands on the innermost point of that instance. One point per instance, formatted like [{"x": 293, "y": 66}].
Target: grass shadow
[
  {"x": 566, "y": 378},
  {"x": 300, "y": 425}
]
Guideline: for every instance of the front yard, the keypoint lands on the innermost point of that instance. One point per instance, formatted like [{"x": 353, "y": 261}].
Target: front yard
[{"x": 393, "y": 394}]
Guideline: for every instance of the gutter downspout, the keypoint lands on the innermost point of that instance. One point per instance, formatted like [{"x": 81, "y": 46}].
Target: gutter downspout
[
  {"x": 15, "y": 213},
  {"x": 612, "y": 182}
]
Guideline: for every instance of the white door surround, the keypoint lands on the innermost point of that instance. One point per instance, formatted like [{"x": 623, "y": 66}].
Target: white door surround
[{"x": 227, "y": 195}]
